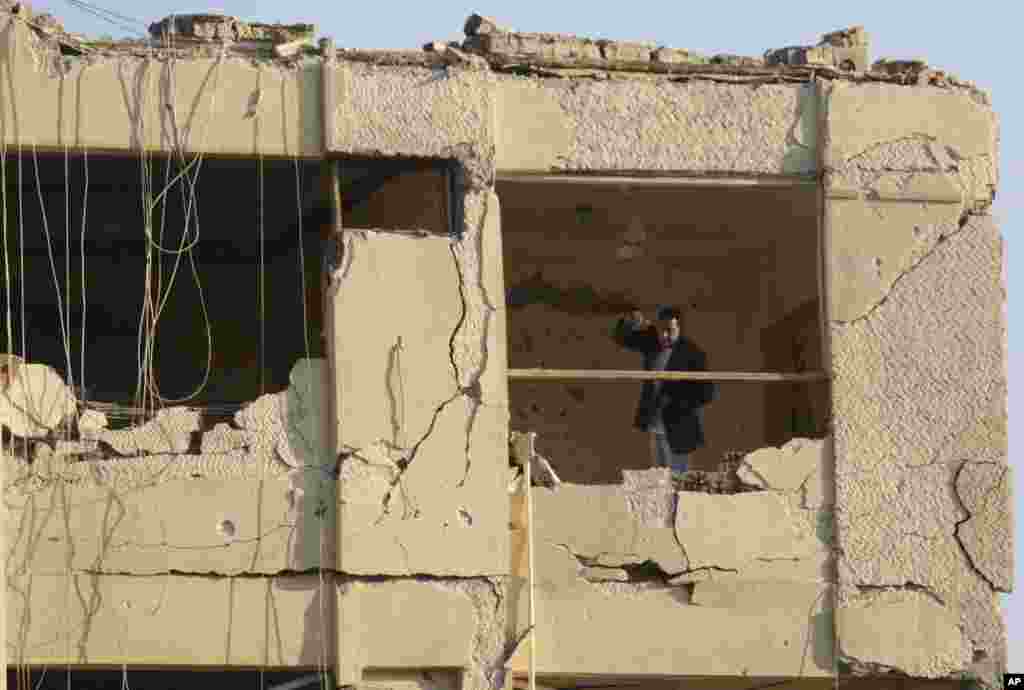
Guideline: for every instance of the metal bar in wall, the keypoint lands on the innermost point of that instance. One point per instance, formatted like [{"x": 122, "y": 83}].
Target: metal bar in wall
[
  {"x": 616, "y": 375},
  {"x": 660, "y": 180}
]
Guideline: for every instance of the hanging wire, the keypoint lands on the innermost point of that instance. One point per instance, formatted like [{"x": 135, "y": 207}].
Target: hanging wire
[
  {"x": 85, "y": 207},
  {"x": 53, "y": 264},
  {"x": 122, "y": 22}
]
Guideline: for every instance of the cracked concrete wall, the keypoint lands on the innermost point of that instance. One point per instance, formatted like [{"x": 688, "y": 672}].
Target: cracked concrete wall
[
  {"x": 254, "y": 500},
  {"x": 656, "y": 125},
  {"x": 128, "y": 103},
  {"x": 420, "y": 370},
  {"x": 917, "y": 346},
  {"x": 132, "y": 532},
  {"x": 85, "y": 618},
  {"x": 751, "y": 571},
  {"x": 917, "y": 331}
]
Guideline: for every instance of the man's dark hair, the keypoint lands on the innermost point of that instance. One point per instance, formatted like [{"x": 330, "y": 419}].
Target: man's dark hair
[{"x": 669, "y": 312}]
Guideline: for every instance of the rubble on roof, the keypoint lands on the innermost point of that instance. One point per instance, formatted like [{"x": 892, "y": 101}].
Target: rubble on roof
[
  {"x": 912, "y": 72},
  {"x": 286, "y": 39},
  {"x": 839, "y": 53},
  {"x": 220, "y": 27},
  {"x": 485, "y": 36},
  {"x": 846, "y": 49}
]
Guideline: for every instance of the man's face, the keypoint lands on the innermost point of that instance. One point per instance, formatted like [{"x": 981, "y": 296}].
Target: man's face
[{"x": 668, "y": 328}]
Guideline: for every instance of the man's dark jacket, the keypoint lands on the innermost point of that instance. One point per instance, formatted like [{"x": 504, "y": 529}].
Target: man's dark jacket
[{"x": 682, "y": 399}]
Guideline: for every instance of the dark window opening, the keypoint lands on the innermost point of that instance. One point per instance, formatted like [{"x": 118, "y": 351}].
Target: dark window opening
[
  {"x": 741, "y": 263},
  {"x": 405, "y": 194},
  {"x": 207, "y": 217}
]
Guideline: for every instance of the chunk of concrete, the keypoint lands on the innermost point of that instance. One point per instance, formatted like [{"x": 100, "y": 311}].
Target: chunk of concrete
[
  {"x": 170, "y": 431},
  {"x": 747, "y": 528},
  {"x": 650, "y": 496},
  {"x": 676, "y": 56},
  {"x": 91, "y": 421},
  {"x": 785, "y": 468},
  {"x": 599, "y": 574},
  {"x": 906, "y": 631},
  {"x": 987, "y": 535},
  {"x": 374, "y": 628},
  {"x": 225, "y": 619},
  {"x": 292, "y": 422},
  {"x": 223, "y": 439},
  {"x": 874, "y": 243},
  {"x": 34, "y": 400},
  {"x": 478, "y": 25}
]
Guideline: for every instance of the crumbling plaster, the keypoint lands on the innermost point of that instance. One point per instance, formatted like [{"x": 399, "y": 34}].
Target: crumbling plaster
[
  {"x": 445, "y": 395},
  {"x": 264, "y": 505},
  {"x": 644, "y": 551},
  {"x": 198, "y": 104},
  {"x": 917, "y": 336},
  {"x": 656, "y": 125},
  {"x": 916, "y": 328}
]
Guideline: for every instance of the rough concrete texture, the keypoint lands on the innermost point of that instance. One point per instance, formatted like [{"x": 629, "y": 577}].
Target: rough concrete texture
[
  {"x": 113, "y": 620},
  {"x": 919, "y": 388},
  {"x": 413, "y": 111},
  {"x": 170, "y": 431},
  {"x": 423, "y": 444},
  {"x": 240, "y": 510},
  {"x": 905, "y": 631},
  {"x": 984, "y": 492},
  {"x": 623, "y": 125},
  {"x": 788, "y": 467},
  {"x": 846, "y": 49},
  {"x": 753, "y": 562},
  {"x": 747, "y": 528},
  {"x": 34, "y": 401},
  {"x": 466, "y": 628},
  {"x": 208, "y": 109}
]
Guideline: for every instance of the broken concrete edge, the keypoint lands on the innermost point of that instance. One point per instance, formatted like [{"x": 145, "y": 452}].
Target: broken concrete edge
[
  {"x": 288, "y": 44},
  {"x": 868, "y": 646},
  {"x": 55, "y": 420}
]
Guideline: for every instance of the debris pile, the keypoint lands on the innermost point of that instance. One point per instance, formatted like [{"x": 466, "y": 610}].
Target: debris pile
[
  {"x": 846, "y": 49},
  {"x": 486, "y": 37},
  {"x": 724, "y": 480},
  {"x": 284, "y": 39}
]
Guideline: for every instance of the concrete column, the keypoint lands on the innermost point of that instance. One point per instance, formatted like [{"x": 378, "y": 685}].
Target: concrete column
[{"x": 916, "y": 329}]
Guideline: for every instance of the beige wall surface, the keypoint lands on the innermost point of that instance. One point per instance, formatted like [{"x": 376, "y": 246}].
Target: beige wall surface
[
  {"x": 406, "y": 476},
  {"x": 749, "y": 571},
  {"x": 126, "y": 103},
  {"x": 658, "y": 125},
  {"x": 917, "y": 333}
]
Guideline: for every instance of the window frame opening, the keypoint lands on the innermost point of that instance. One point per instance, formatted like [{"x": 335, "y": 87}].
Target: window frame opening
[
  {"x": 775, "y": 378},
  {"x": 91, "y": 229}
]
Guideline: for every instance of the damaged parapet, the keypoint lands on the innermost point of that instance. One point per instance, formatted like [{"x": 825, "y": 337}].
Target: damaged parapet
[
  {"x": 285, "y": 39},
  {"x": 485, "y": 36},
  {"x": 846, "y": 49}
]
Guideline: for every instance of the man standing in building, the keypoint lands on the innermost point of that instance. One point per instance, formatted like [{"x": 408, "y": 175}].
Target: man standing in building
[{"x": 670, "y": 410}]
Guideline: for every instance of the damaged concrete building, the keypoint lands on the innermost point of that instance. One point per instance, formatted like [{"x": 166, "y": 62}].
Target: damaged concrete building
[{"x": 384, "y": 284}]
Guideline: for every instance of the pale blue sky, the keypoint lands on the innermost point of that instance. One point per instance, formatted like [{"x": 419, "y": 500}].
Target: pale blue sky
[{"x": 974, "y": 40}]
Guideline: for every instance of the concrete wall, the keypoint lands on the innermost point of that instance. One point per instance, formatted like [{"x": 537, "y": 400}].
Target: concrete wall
[
  {"x": 750, "y": 571},
  {"x": 631, "y": 125},
  {"x": 917, "y": 327},
  {"x": 387, "y": 462},
  {"x": 195, "y": 105}
]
